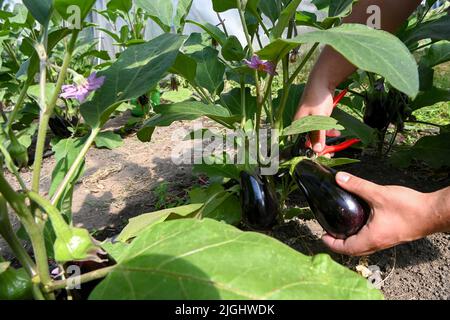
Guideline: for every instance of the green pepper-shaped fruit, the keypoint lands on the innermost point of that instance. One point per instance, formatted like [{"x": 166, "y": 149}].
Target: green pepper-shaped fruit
[
  {"x": 18, "y": 152},
  {"x": 259, "y": 203},
  {"x": 339, "y": 212},
  {"x": 15, "y": 285}
]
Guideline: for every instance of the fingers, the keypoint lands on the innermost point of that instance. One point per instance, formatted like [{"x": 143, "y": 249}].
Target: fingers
[
  {"x": 357, "y": 245},
  {"x": 333, "y": 133},
  {"x": 365, "y": 189},
  {"x": 318, "y": 140}
]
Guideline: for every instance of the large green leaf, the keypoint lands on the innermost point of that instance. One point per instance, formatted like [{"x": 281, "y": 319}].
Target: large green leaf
[
  {"x": 63, "y": 7},
  {"x": 212, "y": 30},
  {"x": 185, "y": 66},
  {"x": 370, "y": 50},
  {"x": 311, "y": 123},
  {"x": 210, "y": 70},
  {"x": 136, "y": 225},
  {"x": 232, "y": 100},
  {"x": 271, "y": 8},
  {"x": 109, "y": 140},
  {"x": 433, "y": 150},
  {"x": 162, "y": 12},
  {"x": 206, "y": 259},
  {"x": 438, "y": 29},
  {"x": 219, "y": 204},
  {"x": 438, "y": 53},
  {"x": 159, "y": 10},
  {"x": 40, "y": 10},
  {"x": 224, "y": 5},
  {"x": 122, "y": 5},
  {"x": 138, "y": 69}
]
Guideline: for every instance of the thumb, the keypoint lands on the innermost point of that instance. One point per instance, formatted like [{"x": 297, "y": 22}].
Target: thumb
[{"x": 363, "y": 188}]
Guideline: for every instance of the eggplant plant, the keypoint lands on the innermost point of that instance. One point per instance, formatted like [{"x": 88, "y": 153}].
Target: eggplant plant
[
  {"x": 181, "y": 252},
  {"x": 426, "y": 36}
]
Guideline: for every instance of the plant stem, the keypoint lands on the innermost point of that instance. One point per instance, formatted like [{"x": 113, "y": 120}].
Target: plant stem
[
  {"x": 36, "y": 234},
  {"x": 303, "y": 63},
  {"x": 47, "y": 110},
  {"x": 18, "y": 106},
  {"x": 222, "y": 23},
  {"x": 87, "y": 277},
  {"x": 74, "y": 168},
  {"x": 285, "y": 96},
  {"x": 7, "y": 232},
  {"x": 243, "y": 104}
]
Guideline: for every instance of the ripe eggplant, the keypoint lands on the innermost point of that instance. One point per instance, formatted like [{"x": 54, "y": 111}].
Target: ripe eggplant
[
  {"x": 60, "y": 126},
  {"x": 339, "y": 212},
  {"x": 260, "y": 207}
]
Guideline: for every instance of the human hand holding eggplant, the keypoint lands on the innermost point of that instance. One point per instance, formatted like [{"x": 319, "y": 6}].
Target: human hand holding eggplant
[{"x": 398, "y": 215}]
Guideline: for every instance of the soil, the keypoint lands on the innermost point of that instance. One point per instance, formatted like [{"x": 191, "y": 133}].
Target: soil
[{"x": 122, "y": 183}]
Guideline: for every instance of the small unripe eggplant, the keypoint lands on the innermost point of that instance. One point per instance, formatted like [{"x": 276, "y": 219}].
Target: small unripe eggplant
[
  {"x": 341, "y": 213},
  {"x": 260, "y": 207},
  {"x": 18, "y": 152}
]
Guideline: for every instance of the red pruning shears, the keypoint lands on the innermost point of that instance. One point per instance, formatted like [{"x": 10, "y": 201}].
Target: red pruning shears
[{"x": 303, "y": 146}]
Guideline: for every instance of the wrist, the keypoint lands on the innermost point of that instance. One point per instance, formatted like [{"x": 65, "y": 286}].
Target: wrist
[{"x": 440, "y": 210}]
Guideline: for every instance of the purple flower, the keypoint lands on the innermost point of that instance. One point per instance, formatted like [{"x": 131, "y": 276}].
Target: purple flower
[
  {"x": 81, "y": 90},
  {"x": 257, "y": 64}
]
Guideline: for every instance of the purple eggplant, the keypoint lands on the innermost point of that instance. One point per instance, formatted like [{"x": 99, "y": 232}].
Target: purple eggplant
[
  {"x": 340, "y": 213},
  {"x": 260, "y": 207}
]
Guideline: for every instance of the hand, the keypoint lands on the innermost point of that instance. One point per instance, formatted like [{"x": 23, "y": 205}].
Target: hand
[
  {"x": 398, "y": 215},
  {"x": 317, "y": 100}
]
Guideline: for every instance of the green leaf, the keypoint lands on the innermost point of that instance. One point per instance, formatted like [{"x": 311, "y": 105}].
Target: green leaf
[
  {"x": 232, "y": 50},
  {"x": 335, "y": 162},
  {"x": 181, "y": 95},
  {"x": 40, "y": 10},
  {"x": 188, "y": 110},
  {"x": 433, "y": 150},
  {"x": 438, "y": 53},
  {"x": 430, "y": 97},
  {"x": 271, "y": 8},
  {"x": 368, "y": 49},
  {"x": 438, "y": 29},
  {"x": 354, "y": 127},
  {"x": 186, "y": 259},
  {"x": 108, "y": 140},
  {"x": 138, "y": 69},
  {"x": 182, "y": 11},
  {"x": 159, "y": 10},
  {"x": 63, "y": 7},
  {"x": 285, "y": 17},
  {"x": 35, "y": 92},
  {"x": 212, "y": 30},
  {"x": 138, "y": 224},
  {"x": 232, "y": 100},
  {"x": 185, "y": 66},
  {"x": 225, "y": 5},
  {"x": 116, "y": 249},
  {"x": 219, "y": 204},
  {"x": 311, "y": 123},
  {"x": 210, "y": 70},
  {"x": 122, "y": 5},
  {"x": 218, "y": 170}
]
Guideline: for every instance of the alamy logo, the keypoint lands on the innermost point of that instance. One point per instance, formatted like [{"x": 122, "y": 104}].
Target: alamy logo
[
  {"x": 374, "y": 20},
  {"x": 74, "y": 17}
]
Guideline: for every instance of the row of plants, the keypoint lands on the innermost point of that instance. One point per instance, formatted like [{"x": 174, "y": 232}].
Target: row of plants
[{"x": 50, "y": 78}]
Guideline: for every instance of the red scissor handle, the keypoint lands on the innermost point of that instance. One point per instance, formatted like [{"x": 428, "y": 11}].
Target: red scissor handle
[{"x": 344, "y": 145}]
